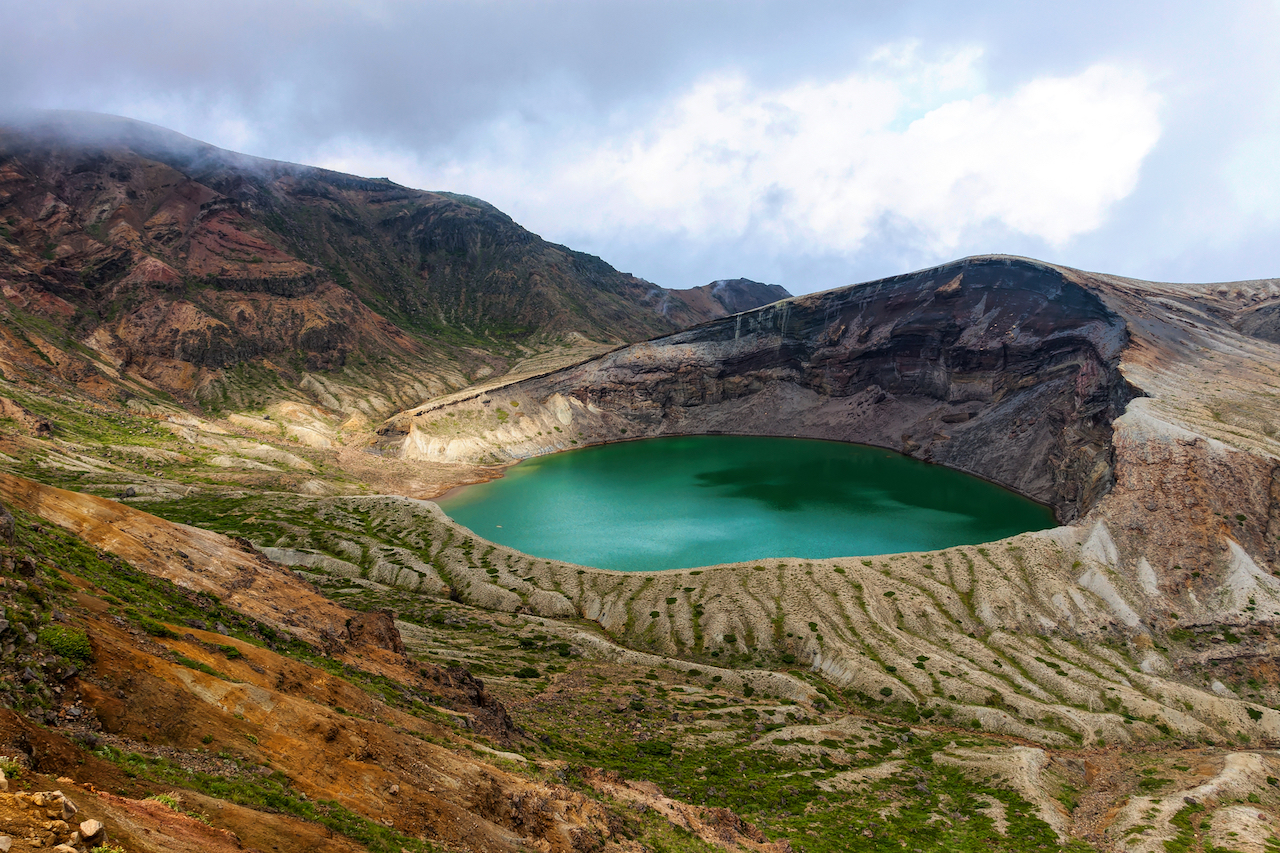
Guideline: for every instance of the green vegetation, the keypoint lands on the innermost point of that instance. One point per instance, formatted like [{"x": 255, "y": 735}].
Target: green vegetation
[
  {"x": 200, "y": 667},
  {"x": 781, "y": 785},
  {"x": 171, "y": 799},
  {"x": 1187, "y": 822},
  {"x": 245, "y": 786},
  {"x": 68, "y": 642},
  {"x": 155, "y": 628}
]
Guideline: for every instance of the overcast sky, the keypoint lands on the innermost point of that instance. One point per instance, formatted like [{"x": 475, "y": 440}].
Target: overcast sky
[{"x": 805, "y": 144}]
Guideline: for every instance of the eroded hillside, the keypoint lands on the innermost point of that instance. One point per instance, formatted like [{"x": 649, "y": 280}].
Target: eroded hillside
[
  {"x": 137, "y": 261},
  {"x": 147, "y": 658},
  {"x": 613, "y": 731}
]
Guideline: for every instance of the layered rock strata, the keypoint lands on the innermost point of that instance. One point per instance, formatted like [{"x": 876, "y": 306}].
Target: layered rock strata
[{"x": 998, "y": 367}]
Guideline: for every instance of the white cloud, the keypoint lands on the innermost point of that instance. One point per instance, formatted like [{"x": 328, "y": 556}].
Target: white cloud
[{"x": 819, "y": 166}]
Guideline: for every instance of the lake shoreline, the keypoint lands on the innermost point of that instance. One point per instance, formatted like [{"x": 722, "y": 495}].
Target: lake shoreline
[{"x": 688, "y": 501}]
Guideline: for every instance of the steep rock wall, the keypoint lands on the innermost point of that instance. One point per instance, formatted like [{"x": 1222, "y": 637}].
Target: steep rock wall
[{"x": 996, "y": 366}]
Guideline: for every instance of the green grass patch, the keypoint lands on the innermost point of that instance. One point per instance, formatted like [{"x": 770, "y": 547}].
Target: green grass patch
[{"x": 68, "y": 642}]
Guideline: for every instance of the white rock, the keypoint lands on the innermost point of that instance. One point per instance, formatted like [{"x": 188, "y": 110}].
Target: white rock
[
  {"x": 1098, "y": 583},
  {"x": 1100, "y": 547},
  {"x": 1154, "y": 664},
  {"x": 1147, "y": 578},
  {"x": 1246, "y": 580},
  {"x": 90, "y": 828}
]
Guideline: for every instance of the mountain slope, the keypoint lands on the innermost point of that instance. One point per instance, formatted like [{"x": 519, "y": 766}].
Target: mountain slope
[{"x": 174, "y": 261}]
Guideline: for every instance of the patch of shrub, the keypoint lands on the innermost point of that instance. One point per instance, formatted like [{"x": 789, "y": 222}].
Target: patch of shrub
[
  {"x": 67, "y": 642},
  {"x": 655, "y": 747},
  {"x": 526, "y": 672},
  {"x": 171, "y": 799},
  {"x": 155, "y": 628},
  {"x": 200, "y": 666}
]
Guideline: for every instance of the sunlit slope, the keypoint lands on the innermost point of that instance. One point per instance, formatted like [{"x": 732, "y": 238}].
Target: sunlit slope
[{"x": 1039, "y": 635}]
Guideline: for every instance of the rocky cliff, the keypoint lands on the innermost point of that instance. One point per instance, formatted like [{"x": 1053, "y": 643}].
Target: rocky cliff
[{"x": 999, "y": 367}]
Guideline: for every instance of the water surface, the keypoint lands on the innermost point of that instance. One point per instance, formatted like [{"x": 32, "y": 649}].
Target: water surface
[{"x": 669, "y": 503}]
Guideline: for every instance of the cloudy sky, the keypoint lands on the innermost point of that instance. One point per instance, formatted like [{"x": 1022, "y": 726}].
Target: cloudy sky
[{"x": 805, "y": 144}]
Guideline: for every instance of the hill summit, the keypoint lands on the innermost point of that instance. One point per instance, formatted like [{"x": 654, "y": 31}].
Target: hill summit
[{"x": 171, "y": 261}]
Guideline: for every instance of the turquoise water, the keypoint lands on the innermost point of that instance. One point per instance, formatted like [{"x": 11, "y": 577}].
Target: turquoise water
[{"x": 670, "y": 503}]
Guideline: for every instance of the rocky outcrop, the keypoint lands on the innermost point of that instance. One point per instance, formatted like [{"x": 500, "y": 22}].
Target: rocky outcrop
[
  {"x": 730, "y": 296},
  {"x": 46, "y": 820},
  {"x": 1261, "y": 322},
  {"x": 376, "y": 628},
  {"x": 1001, "y": 367}
]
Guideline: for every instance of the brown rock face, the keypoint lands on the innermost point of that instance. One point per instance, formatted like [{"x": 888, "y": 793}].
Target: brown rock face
[
  {"x": 376, "y": 628},
  {"x": 730, "y": 296}
]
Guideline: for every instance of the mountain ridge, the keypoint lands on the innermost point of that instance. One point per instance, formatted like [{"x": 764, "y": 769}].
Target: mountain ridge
[{"x": 118, "y": 230}]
